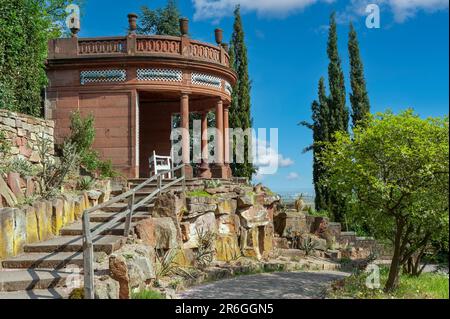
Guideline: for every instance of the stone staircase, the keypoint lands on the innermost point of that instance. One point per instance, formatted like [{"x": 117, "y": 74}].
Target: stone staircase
[{"x": 39, "y": 273}]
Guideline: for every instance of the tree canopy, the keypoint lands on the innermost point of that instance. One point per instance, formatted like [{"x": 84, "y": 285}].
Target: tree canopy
[
  {"x": 240, "y": 110},
  {"x": 394, "y": 174},
  {"x": 26, "y": 26},
  {"x": 161, "y": 21},
  {"x": 359, "y": 97}
]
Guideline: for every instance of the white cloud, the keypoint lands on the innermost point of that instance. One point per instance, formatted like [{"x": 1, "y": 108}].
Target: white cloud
[
  {"x": 207, "y": 9},
  {"x": 284, "y": 161},
  {"x": 401, "y": 9},
  {"x": 268, "y": 159},
  {"x": 404, "y": 9},
  {"x": 293, "y": 176}
]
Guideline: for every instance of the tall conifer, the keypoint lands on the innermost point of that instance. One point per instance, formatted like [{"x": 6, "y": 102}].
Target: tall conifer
[
  {"x": 359, "y": 97},
  {"x": 337, "y": 101},
  {"x": 240, "y": 111}
]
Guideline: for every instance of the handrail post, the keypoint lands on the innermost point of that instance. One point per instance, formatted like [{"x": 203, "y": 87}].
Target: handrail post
[
  {"x": 159, "y": 183},
  {"x": 129, "y": 216},
  {"x": 88, "y": 258},
  {"x": 183, "y": 175}
]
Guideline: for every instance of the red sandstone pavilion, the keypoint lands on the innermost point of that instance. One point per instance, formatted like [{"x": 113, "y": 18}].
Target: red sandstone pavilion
[{"x": 134, "y": 85}]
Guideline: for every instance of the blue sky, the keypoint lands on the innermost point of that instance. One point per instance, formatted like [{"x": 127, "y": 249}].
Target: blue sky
[{"x": 406, "y": 60}]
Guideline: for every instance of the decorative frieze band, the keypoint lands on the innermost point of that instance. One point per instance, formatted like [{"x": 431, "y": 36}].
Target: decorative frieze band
[
  {"x": 102, "y": 76},
  {"x": 170, "y": 75},
  {"x": 228, "y": 88},
  {"x": 206, "y": 80}
]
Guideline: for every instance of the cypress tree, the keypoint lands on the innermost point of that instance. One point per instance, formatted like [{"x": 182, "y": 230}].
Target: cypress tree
[
  {"x": 337, "y": 101},
  {"x": 240, "y": 111},
  {"x": 162, "y": 21},
  {"x": 359, "y": 97},
  {"x": 321, "y": 115},
  {"x": 339, "y": 114}
]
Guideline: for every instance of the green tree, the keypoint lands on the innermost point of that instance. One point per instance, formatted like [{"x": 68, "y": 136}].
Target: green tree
[
  {"x": 359, "y": 97},
  {"x": 319, "y": 127},
  {"x": 162, "y": 21},
  {"x": 240, "y": 110},
  {"x": 339, "y": 114},
  {"x": 26, "y": 26},
  {"x": 394, "y": 173}
]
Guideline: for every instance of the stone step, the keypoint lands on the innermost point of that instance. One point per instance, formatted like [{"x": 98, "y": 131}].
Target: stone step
[
  {"x": 348, "y": 233},
  {"x": 16, "y": 280},
  {"x": 102, "y": 217},
  {"x": 107, "y": 244},
  {"x": 52, "y": 260},
  {"x": 52, "y": 293},
  {"x": 119, "y": 207},
  {"x": 77, "y": 230}
]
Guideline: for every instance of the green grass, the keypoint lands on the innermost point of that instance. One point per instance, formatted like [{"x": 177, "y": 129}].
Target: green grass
[
  {"x": 426, "y": 286},
  {"x": 147, "y": 294},
  {"x": 198, "y": 193}
]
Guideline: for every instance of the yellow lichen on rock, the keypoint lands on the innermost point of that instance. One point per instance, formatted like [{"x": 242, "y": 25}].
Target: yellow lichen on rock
[{"x": 227, "y": 248}]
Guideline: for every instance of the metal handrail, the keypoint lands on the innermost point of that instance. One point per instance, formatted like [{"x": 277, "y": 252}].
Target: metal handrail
[{"x": 89, "y": 234}]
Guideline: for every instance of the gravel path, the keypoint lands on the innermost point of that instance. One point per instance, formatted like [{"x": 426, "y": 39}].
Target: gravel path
[{"x": 292, "y": 285}]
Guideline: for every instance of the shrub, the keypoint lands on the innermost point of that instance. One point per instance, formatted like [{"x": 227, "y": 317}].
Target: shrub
[
  {"x": 147, "y": 294},
  {"x": 308, "y": 245},
  {"x": 21, "y": 166},
  {"x": 53, "y": 173},
  {"x": 205, "y": 251},
  {"x": 165, "y": 262},
  {"x": 5, "y": 145},
  {"x": 82, "y": 136},
  {"x": 85, "y": 183},
  {"x": 77, "y": 293}
]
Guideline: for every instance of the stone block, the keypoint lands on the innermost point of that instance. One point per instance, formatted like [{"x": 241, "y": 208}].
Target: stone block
[
  {"x": 20, "y": 231},
  {"x": 204, "y": 223},
  {"x": 57, "y": 216},
  {"x": 226, "y": 206},
  {"x": 32, "y": 229},
  {"x": 6, "y": 232},
  {"x": 14, "y": 184},
  {"x": 106, "y": 288},
  {"x": 254, "y": 216},
  {"x": 227, "y": 248},
  {"x": 7, "y": 195},
  {"x": 68, "y": 210},
  {"x": 159, "y": 233}
]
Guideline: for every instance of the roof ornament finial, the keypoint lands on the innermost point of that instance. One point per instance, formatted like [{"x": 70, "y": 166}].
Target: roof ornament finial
[
  {"x": 219, "y": 36},
  {"x": 132, "y": 22},
  {"x": 184, "y": 26}
]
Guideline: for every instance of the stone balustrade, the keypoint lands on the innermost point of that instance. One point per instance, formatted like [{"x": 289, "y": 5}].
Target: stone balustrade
[{"x": 138, "y": 45}]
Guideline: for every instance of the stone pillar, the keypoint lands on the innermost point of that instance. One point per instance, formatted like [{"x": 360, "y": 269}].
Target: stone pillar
[
  {"x": 226, "y": 141},
  {"x": 204, "y": 167},
  {"x": 184, "y": 111},
  {"x": 219, "y": 170}
]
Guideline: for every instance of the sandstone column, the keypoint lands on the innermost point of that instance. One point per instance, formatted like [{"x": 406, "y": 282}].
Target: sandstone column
[
  {"x": 219, "y": 168},
  {"x": 184, "y": 111},
  {"x": 226, "y": 140},
  {"x": 204, "y": 168}
]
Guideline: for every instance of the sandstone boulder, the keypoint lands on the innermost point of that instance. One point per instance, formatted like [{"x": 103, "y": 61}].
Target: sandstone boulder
[
  {"x": 6, "y": 193},
  {"x": 133, "y": 267},
  {"x": 159, "y": 233},
  {"x": 290, "y": 223},
  {"x": 106, "y": 288},
  {"x": 254, "y": 216},
  {"x": 205, "y": 223}
]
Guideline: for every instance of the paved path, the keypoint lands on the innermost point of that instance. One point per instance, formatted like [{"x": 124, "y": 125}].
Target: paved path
[{"x": 293, "y": 285}]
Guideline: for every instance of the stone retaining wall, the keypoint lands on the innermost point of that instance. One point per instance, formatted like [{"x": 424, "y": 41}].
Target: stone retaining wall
[
  {"x": 43, "y": 220},
  {"x": 23, "y": 132}
]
